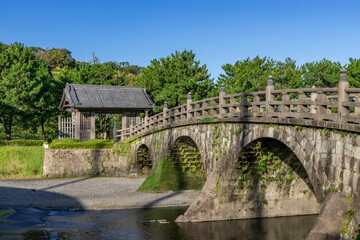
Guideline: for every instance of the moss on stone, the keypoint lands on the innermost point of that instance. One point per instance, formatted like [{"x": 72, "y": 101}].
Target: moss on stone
[{"x": 169, "y": 176}]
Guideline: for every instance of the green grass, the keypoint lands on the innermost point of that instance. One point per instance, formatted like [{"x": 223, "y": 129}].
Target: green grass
[
  {"x": 77, "y": 144},
  {"x": 207, "y": 120},
  {"x": 21, "y": 162},
  {"x": 167, "y": 177}
]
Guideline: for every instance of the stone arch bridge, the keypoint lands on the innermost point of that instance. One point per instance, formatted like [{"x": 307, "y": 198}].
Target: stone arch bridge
[{"x": 319, "y": 125}]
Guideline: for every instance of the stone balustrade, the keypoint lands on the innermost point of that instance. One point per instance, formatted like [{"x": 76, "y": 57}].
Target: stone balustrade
[{"x": 334, "y": 108}]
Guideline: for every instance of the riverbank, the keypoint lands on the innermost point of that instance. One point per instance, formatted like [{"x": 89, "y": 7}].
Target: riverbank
[{"x": 98, "y": 193}]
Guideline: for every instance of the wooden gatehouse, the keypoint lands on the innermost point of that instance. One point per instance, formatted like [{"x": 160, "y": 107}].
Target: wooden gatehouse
[{"x": 84, "y": 101}]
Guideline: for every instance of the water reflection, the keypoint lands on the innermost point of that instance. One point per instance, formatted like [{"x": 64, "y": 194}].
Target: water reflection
[
  {"x": 283, "y": 228},
  {"x": 33, "y": 223}
]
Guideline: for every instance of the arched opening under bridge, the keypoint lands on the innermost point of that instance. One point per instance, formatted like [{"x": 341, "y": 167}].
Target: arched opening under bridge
[
  {"x": 143, "y": 163},
  {"x": 267, "y": 179},
  {"x": 187, "y": 163}
]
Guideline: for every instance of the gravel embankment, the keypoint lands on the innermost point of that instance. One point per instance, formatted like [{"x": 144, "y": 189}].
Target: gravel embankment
[{"x": 88, "y": 193}]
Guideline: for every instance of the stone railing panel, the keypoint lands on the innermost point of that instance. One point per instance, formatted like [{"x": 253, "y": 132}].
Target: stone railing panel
[{"x": 320, "y": 106}]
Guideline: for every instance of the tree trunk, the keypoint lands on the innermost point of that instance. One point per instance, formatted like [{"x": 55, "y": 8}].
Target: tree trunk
[
  {"x": 43, "y": 129},
  {"x": 7, "y": 127}
]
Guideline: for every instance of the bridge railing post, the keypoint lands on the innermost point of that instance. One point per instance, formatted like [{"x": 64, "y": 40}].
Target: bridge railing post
[
  {"x": 189, "y": 106},
  {"x": 321, "y": 97},
  {"x": 243, "y": 107},
  {"x": 269, "y": 96},
  {"x": 300, "y": 107},
  {"x": 357, "y": 109},
  {"x": 285, "y": 98},
  {"x": 115, "y": 132},
  {"x": 343, "y": 96},
  {"x": 313, "y": 97},
  {"x": 165, "y": 109},
  {"x": 256, "y": 107},
  {"x": 222, "y": 110}
]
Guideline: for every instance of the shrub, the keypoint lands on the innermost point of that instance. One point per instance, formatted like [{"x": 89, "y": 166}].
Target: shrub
[
  {"x": 77, "y": 144},
  {"x": 22, "y": 143}
]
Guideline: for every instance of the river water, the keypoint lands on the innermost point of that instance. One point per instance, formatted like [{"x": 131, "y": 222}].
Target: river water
[{"x": 32, "y": 223}]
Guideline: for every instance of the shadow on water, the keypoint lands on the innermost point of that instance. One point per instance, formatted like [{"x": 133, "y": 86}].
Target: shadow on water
[
  {"x": 283, "y": 228},
  {"x": 18, "y": 216}
]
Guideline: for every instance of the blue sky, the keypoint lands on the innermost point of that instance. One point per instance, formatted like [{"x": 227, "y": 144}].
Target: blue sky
[{"x": 219, "y": 32}]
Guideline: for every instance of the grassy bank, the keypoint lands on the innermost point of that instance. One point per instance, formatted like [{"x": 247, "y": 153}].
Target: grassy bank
[
  {"x": 170, "y": 176},
  {"x": 77, "y": 144},
  {"x": 20, "y": 161}
]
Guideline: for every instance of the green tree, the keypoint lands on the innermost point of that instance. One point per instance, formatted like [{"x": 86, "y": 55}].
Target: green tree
[
  {"x": 322, "y": 74},
  {"x": 248, "y": 75},
  {"x": 173, "y": 77},
  {"x": 45, "y": 101},
  {"x": 287, "y": 75},
  {"x": 55, "y": 57},
  {"x": 21, "y": 76},
  {"x": 353, "y": 72}
]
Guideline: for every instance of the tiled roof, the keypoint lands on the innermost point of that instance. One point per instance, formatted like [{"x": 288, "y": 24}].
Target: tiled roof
[{"x": 83, "y": 96}]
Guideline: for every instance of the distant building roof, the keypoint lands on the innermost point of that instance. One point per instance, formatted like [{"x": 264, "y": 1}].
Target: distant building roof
[{"x": 105, "y": 98}]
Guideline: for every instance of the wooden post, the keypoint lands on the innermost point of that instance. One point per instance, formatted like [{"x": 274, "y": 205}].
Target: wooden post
[
  {"x": 124, "y": 123},
  {"x": 343, "y": 96},
  {"x": 77, "y": 124},
  {"x": 59, "y": 126},
  {"x": 269, "y": 96},
  {"x": 131, "y": 127},
  {"x": 115, "y": 132},
  {"x": 92, "y": 125},
  {"x": 189, "y": 106},
  {"x": 165, "y": 109},
  {"x": 137, "y": 118},
  {"x": 222, "y": 110}
]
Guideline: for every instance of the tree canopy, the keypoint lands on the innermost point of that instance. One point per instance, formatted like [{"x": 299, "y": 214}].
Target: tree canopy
[
  {"x": 171, "y": 79},
  {"x": 32, "y": 80},
  {"x": 251, "y": 74},
  {"x": 22, "y": 76}
]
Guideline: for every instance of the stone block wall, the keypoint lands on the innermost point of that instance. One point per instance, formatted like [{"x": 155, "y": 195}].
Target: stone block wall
[{"x": 85, "y": 162}]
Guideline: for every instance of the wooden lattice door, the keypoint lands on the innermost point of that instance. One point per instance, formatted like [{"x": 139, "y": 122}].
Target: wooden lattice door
[{"x": 86, "y": 127}]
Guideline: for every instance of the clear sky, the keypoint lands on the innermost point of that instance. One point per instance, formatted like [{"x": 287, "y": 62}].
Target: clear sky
[{"x": 219, "y": 32}]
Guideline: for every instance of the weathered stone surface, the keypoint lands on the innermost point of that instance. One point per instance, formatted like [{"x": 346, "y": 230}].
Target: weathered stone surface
[
  {"x": 331, "y": 216},
  {"x": 84, "y": 162}
]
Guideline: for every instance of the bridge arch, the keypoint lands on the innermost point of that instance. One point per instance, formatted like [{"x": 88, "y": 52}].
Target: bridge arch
[
  {"x": 185, "y": 150},
  {"x": 266, "y": 175},
  {"x": 143, "y": 162},
  {"x": 303, "y": 150}
]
